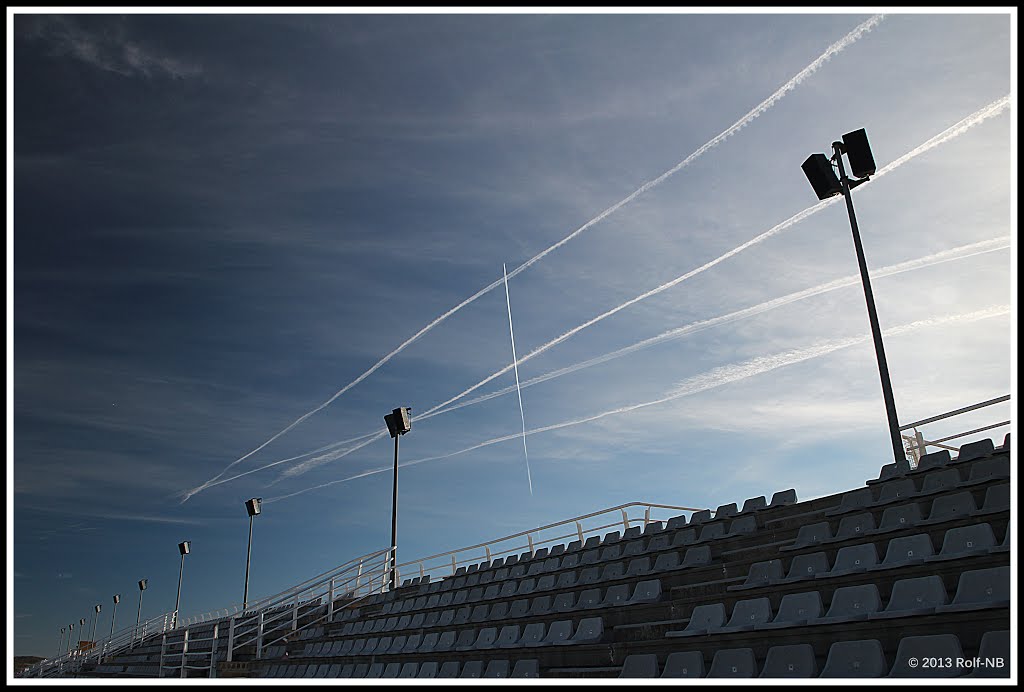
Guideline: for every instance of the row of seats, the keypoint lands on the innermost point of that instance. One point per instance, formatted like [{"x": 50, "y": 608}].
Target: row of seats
[
  {"x": 976, "y": 589},
  {"x": 589, "y": 631},
  {"x": 957, "y": 543},
  {"x": 497, "y": 668},
  {"x": 846, "y": 659},
  {"x": 935, "y": 481},
  {"x": 940, "y": 459}
]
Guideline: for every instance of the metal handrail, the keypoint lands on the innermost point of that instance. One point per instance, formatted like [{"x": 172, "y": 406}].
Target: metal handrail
[{"x": 916, "y": 445}]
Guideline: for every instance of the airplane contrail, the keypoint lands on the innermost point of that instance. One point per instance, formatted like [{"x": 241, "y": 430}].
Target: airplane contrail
[
  {"x": 758, "y": 110},
  {"x": 959, "y": 128},
  {"x": 711, "y": 379},
  {"x": 956, "y": 130},
  {"x": 515, "y": 367},
  {"x": 952, "y": 254}
]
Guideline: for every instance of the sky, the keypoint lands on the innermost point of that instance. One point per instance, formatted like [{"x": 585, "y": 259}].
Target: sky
[{"x": 221, "y": 223}]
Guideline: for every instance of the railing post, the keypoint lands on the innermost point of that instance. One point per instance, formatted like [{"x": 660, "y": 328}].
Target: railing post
[
  {"x": 579, "y": 531},
  {"x": 259, "y": 633},
  {"x": 330, "y": 602},
  {"x": 359, "y": 575},
  {"x": 453, "y": 563},
  {"x": 647, "y": 516},
  {"x": 295, "y": 615},
  {"x": 529, "y": 542},
  {"x": 213, "y": 650},
  {"x": 231, "y": 637},
  {"x": 625, "y": 519}
]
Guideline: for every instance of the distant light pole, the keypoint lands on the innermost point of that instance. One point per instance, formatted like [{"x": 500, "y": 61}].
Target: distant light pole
[
  {"x": 95, "y": 620},
  {"x": 399, "y": 423},
  {"x": 818, "y": 170},
  {"x": 183, "y": 548},
  {"x": 252, "y": 507},
  {"x": 138, "y": 618},
  {"x": 113, "y": 616},
  {"x": 71, "y": 632},
  {"x": 81, "y": 631}
]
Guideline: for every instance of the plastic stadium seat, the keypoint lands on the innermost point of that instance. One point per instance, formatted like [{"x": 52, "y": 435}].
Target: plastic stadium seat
[
  {"x": 428, "y": 669},
  {"x": 783, "y": 498},
  {"x": 934, "y": 460},
  {"x": 1003, "y": 547},
  {"x": 546, "y": 583},
  {"x": 397, "y": 645},
  {"x": 658, "y": 543},
  {"x": 462, "y": 615},
  {"x": 1005, "y": 447},
  {"x": 652, "y": 528},
  {"x": 496, "y": 668},
  {"x": 633, "y": 548},
  {"x": 611, "y": 552},
  {"x": 589, "y": 631},
  {"x": 675, "y": 523},
  {"x": 963, "y": 541},
  {"x": 854, "y": 526},
  {"x": 492, "y": 591},
  {"x": 697, "y": 556},
  {"x": 639, "y": 566},
  {"x": 556, "y": 550},
  {"x": 981, "y": 588},
  {"x": 754, "y": 504},
  {"x": 975, "y": 450},
  {"x": 805, "y": 567},
  {"x": 862, "y": 658},
  {"x": 907, "y": 550},
  {"x": 449, "y": 669},
  {"x": 417, "y": 620},
  {"x": 432, "y": 618},
  {"x": 375, "y": 670},
  {"x": 412, "y": 643},
  {"x": 430, "y": 642},
  {"x": 895, "y": 491},
  {"x": 566, "y": 580},
  {"x": 615, "y": 596},
  {"x": 526, "y": 668},
  {"x": 592, "y": 543},
  {"x": 851, "y": 603},
  {"x": 997, "y": 499},
  {"x": 484, "y": 640},
  {"x": 851, "y": 559},
  {"x": 536, "y": 568},
  {"x": 533, "y": 634},
  {"x": 383, "y": 644},
  {"x": 552, "y": 563},
  {"x": 700, "y": 517},
  {"x": 590, "y": 557},
  {"x": 508, "y": 637},
  {"x": 646, "y": 592},
  {"x": 890, "y": 471},
  {"x": 640, "y": 666},
  {"x": 733, "y": 663},
  {"x": 994, "y": 645},
  {"x": 472, "y": 669},
  {"x": 558, "y": 632},
  {"x": 479, "y": 613},
  {"x": 508, "y": 589},
  {"x": 790, "y": 661},
  {"x": 409, "y": 670},
  {"x": 728, "y": 510},
  {"x": 929, "y": 646},
  {"x": 747, "y": 614},
  {"x": 589, "y": 598},
  {"x": 499, "y": 611},
  {"x": 951, "y": 506},
  {"x": 614, "y": 570},
  {"x": 632, "y": 533},
  {"x": 518, "y": 608},
  {"x": 916, "y": 596},
  {"x": 447, "y": 641},
  {"x": 853, "y": 500},
  {"x": 810, "y": 534},
  {"x": 666, "y": 562},
  {"x": 794, "y": 610},
  {"x": 705, "y": 618},
  {"x": 570, "y": 561},
  {"x": 684, "y": 664},
  {"x": 742, "y": 525},
  {"x": 542, "y": 605},
  {"x": 898, "y": 517},
  {"x": 761, "y": 574},
  {"x": 710, "y": 532},
  {"x": 611, "y": 538},
  {"x": 392, "y": 670},
  {"x": 360, "y": 670},
  {"x": 988, "y": 469},
  {"x": 940, "y": 481},
  {"x": 517, "y": 571},
  {"x": 684, "y": 538},
  {"x": 526, "y": 586}
]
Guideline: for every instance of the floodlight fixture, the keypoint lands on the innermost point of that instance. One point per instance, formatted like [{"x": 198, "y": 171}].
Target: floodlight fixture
[
  {"x": 399, "y": 422},
  {"x": 252, "y": 507},
  {"x": 183, "y": 548},
  {"x": 818, "y": 170},
  {"x": 143, "y": 583}
]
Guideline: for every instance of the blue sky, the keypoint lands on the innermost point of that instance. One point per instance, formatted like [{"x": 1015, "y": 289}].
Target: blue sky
[{"x": 222, "y": 221}]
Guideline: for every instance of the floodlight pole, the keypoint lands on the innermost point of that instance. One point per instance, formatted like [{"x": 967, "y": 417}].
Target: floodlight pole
[
  {"x": 177, "y": 600},
  {"x": 876, "y": 333},
  {"x": 394, "y": 522},
  {"x": 60, "y": 645},
  {"x": 138, "y": 617}
]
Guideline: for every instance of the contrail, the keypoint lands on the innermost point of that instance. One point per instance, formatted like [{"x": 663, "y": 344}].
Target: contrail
[
  {"x": 952, "y": 254},
  {"x": 956, "y": 130},
  {"x": 515, "y": 367},
  {"x": 716, "y": 377},
  {"x": 758, "y": 110},
  {"x": 976, "y": 118}
]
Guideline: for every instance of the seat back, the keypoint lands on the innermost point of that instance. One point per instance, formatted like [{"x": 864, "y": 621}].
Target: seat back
[
  {"x": 639, "y": 666},
  {"x": 733, "y": 663},
  {"x": 862, "y": 658},
  {"x": 753, "y": 504},
  {"x": 799, "y": 608},
  {"x": 684, "y": 664},
  {"x": 928, "y": 646},
  {"x": 855, "y": 558},
  {"x": 908, "y": 550},
  {"x": 761, "y": 573},
  {"x": 964, "y": 540},
  {"x": 807, "y": 565},
  {"x": 753, "y": 611},
  {"x": 917, "y": 594},
  {"x": 790, "y": 661},
  {"x": 710, "y": 616},
  {"x": 853, "y": 602},
  {"x": 984, "y": 587}
]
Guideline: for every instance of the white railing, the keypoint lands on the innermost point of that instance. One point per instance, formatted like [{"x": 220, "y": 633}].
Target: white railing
[{"x": 916, "y": 445}]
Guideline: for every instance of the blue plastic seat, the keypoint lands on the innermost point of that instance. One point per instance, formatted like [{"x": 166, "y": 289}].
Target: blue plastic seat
[
  {"x": 907, "y": 550},
  {"x": 994, "y": 655},
  {"x": 862, "y": 658},
  {"x": 795, "y": 609},
  {"x": 748, "y": 614},
  {"x": 964, "y": 541},
  {"x": 806, "y": 567},
  {"x": 975, "y": 450},
  {"x": 508, "y": 637},
  {"x": 705, "y": 618},
  {"x": 733, "y": 663},
  {"x": 761, "y": 574},
  {"x": 851, "y": 603},
  {"x": 851, "y": 559},
  {"x": 533, "y": 634},
  {"x": 640, "y": 666},
  {"x": 932, "y": 461},
  {"x": 851, "y": 501},
  {"x": 854, "y": 526},
  {"x": 997, "y": 499},
  {"x": 790, "y": 661},
  {"x": 897, "y": 518},
  {"x": 526, "y": 668},
  {"x": 684, "y": 664},
  {"x": 981, "y": 588},
  {"x": 810, "y": 534},
  {"x": 943, "y": 647},
  {"x": 915, "y": 596},
  {"x": 950, "y": 506}
]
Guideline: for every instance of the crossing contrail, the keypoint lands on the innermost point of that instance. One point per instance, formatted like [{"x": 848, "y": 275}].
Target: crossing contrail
[
  {"x": 965, "y": 124},
  {"x": 758, "y": 110},
  {"x": 711, "y": 379},
  {"x": 956, "y": 130},
  {"x": 515, "y": 367}
]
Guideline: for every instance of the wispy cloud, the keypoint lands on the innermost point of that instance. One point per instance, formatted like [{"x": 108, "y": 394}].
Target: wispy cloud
[{"x": 111, "y": 51}]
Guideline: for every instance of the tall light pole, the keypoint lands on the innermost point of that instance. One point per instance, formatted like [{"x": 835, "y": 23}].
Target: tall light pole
[
  {"x": 60, "y": 645},
  {"x": 81, "y": 631},
  {"x": 183, "y": 548},
  {"x": 138, "y": 618},
  {"x": 818, "y": 170},
  {"x": 95, "y": 620},
  {"x": 71, "y": 632},
  {"x": 253, "y": 508},
  {"x": 113, "y": 616},
  {"x": 399, "y": 423}
]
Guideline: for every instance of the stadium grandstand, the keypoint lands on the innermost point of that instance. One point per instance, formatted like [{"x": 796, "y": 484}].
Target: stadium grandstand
[{"x": 907, "y": 576}]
